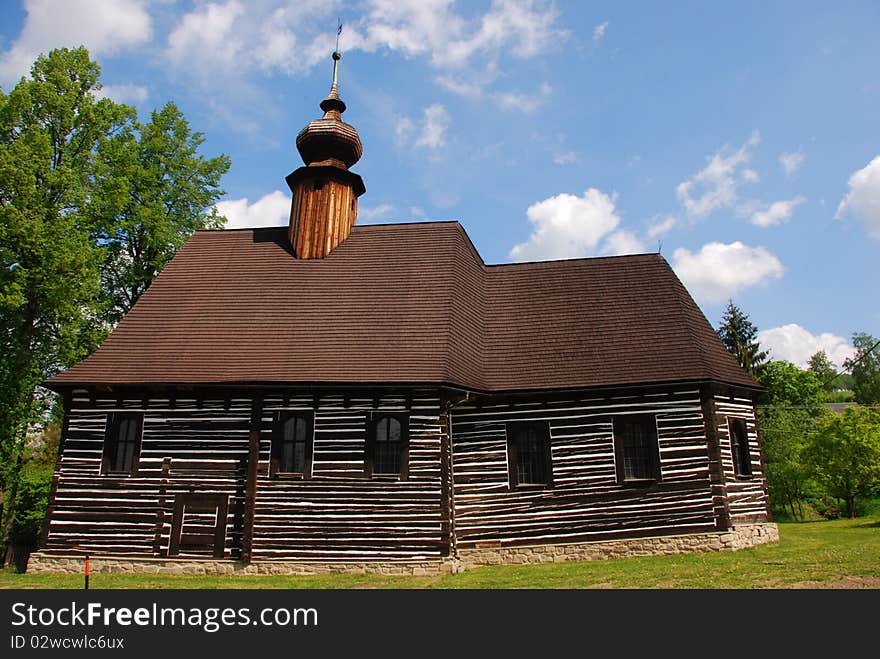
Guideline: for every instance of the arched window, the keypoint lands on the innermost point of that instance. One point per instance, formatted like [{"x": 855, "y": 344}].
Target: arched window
[
  {"x": 292, "y": 444},
  {"x": 387, "y": 445}
]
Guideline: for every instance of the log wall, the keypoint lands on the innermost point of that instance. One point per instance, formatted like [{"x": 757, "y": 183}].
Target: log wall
[
  {"x": 585, "y": 502},
  {"x": 187, "y": 446},
  {"x": 338, "y": 513},
  {"x": 202, "y": 446},
  {"x": 746, "y": 497}
]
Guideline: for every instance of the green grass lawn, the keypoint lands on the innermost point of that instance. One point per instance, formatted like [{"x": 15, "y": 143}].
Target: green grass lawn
[{"x": 835, "y": 554}]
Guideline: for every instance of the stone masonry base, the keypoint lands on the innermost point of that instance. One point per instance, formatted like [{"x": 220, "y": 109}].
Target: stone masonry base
[{"x": 739, "y": 537}]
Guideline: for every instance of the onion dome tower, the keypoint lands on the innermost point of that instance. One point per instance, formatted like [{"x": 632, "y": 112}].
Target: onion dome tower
[{"x": 325, "y": 192}]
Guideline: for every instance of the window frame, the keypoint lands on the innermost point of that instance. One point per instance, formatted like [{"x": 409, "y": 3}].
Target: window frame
[
  {"x": 370, "y": 443},
  {"x": 740, "y": 469},
  {"x": 281, "y": 417},
  {"x": 513, "y": 452},
  {"x": 111, "y": 439},
  {"x": 648, "y": 420}
]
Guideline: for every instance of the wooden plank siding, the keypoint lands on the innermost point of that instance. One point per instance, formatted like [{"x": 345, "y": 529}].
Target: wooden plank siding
[
  {"x": 335, "y": 513},
  {"x": 340, "y": 514},
  {"x": 585, "y": 501},
  {"x": 456, "y": 494},
  {"x": 201, "y": 443},
  {"x": 746, "y": 495}
]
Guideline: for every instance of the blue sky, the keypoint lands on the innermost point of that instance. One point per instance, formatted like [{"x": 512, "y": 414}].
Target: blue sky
[{"x": 740, "y": 139}]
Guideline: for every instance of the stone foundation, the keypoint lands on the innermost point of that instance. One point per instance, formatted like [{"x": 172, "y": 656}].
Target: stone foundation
[{"x": 741, "y": 537}]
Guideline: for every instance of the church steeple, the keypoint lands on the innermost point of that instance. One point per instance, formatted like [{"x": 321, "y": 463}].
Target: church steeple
[{"x": 325, "y": 192}]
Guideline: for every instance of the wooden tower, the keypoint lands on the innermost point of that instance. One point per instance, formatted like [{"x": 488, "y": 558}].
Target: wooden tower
[{"x": 325, "y": 192}]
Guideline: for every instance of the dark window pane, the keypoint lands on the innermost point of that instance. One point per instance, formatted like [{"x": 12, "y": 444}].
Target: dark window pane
[
  {"x": 122, "y": 443},
  {"x": 638, "y": 447},
  {"x": 294, "y": 436},
  {"x": 531, "y": 445},
  {"x": 388, "y": 446},
  {"x": 739, "y": 445}
]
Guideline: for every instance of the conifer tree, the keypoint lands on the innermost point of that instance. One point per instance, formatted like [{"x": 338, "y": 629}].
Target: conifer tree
[{"x": 740, "y": 336}]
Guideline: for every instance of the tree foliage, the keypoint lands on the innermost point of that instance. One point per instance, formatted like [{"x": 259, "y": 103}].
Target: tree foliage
[
  {"x": 740, "y": 336},
  {"x": 793, "y": 402},
  {"x": 865, "y": 369},
  {"x": 153, "y": 190},
  {"x": 789, "y": 386},
  {"x": 844, "y": 454},
  {"x": 824, "y": 370},
  {"x": 87, "y": 197},
  {"x": 50, "y": 126}
]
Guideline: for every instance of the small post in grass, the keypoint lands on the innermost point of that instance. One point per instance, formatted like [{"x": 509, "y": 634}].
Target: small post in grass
[{"x": 87, "y": 572}]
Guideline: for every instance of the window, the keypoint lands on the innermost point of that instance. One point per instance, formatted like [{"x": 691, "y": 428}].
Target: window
[
  {"x": 122, "y": 443},
  {"x": 292, "y": 444},
  {"x": 739, "y": 446},
  {"x": 387, "y": 450},
  {"x": 636, "y": 453},
  {"x": 528, "y": 454}
]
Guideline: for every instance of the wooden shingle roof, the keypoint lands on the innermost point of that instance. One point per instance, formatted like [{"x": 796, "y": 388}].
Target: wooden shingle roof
[{"x": 406, "y": 303}]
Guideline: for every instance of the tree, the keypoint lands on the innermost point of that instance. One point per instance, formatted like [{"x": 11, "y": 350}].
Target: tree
[
  {"x": 739, "y": 336},
  {"x": 50, "y": 126},
  {"x": 784, "y": 436},
  {"x": 844, "y": 454},
  {"x": 153, "y": 191},
  {"x": 92, "y": 206},
  {"x": 824, "y": 370},
  {"x": 793, "y": 402},
  {"x": 865, "y": 369}
]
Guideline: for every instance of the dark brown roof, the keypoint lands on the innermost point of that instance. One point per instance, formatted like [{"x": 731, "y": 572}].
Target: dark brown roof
[{"x": 406, "y": 303}]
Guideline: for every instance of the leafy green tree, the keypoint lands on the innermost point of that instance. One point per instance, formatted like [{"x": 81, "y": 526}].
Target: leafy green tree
[
  {"x": 787, "y": 418},
  {"x": 50, "y": 127},
  {"x": 844, "y": 454},
  {"x": 153, "y": 190},
  {"x": 789, "y": 386},
  {"x": 824, "y": 370},
  {"x": 865, "y": 369},
  {"x": 740, "y": 337},
  {"x": 92, "y": 206},
  {"x": 784, "y": 436}
]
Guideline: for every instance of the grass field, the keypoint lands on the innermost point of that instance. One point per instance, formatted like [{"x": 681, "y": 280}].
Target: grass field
[{"x": 835, "y": 554}]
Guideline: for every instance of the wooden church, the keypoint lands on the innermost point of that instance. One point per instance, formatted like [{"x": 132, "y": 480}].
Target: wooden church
[{"x": 332, "y": 397}]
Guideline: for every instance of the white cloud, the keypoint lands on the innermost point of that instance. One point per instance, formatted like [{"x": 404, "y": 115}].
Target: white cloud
[
  {"x": 660, "y": 227},
  {"x": 777, "y": 212},
  {"x": 715, "y": 186},
  {"x": 863, "y": 198},
  {"x": 103, "y": 27},
  {"x": 205, "y": 37},
  {"x": 376, "y": 213},
  {"x": 565, "y": 158},
  {"x": 429, "y": 133},
  {"x": 791, "y": 162},
  {"x": 528, "y": 103},
  {"x": 567, "y": 226},
  {"x": 293, "y": 37},
  {"x": 750, "y": 176},
  {"x": 795, "y": 344},
  {"x": 622, "y": 242},
  {"x": 719, "y": 271},
  {"x": 271, "y": 210},
  {"x": 127, "y": 93},
  {"x": 599, "y": 31}
]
